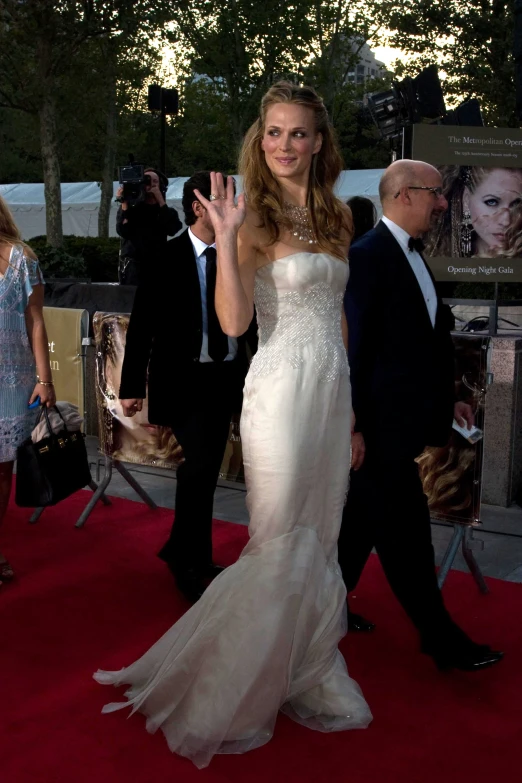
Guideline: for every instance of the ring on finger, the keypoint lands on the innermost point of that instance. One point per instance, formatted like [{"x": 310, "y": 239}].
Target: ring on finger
[{"x": 213, "y": 197}]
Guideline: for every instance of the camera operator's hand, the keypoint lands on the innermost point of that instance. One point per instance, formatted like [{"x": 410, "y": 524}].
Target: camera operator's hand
[
  {"x": 119, "y": 194},
  {"x": 158, "y": 195}
]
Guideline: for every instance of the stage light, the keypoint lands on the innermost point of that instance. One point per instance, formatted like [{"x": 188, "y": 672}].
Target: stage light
[
  {"x": 467, "y": 114},
  {"x": 163, "y": 99},
  {"x": 428, "y": 97},
  {"x": 415, "y": 100},
  {"x": 387, "y": 111}
]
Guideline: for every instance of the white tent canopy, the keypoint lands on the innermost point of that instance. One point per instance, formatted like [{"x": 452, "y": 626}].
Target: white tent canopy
[{"x": 81, "y": 201}]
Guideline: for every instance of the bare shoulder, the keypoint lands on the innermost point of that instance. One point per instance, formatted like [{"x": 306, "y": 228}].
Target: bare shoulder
[
  {"x": 253, "y": 225},
  {"x": 5, "y": 251},
  {"x": 252, "y": 235}
]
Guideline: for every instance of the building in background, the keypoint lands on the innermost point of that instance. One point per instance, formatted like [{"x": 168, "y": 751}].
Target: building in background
[{"x": 367, "y": 67}]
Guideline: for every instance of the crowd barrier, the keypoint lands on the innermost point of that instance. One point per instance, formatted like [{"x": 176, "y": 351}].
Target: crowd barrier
[{"x": 451, "y": 475}]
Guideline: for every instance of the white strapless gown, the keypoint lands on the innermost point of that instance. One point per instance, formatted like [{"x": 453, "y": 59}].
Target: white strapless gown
[{"x": 264, "y": 636}]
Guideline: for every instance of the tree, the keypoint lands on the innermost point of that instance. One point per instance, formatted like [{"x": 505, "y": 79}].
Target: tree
[
  {"x": 56, "y": 31},
  {"x": 37, "y": 40},
  {"x": 203, "y": 135},
  {"x": 470, "y": 40},
  {"x": 19, "y": 141},
  {"x": 130, "y": 60},
  {"x": 80, "y": 106},
  {"x": 337, "y": 32},
  {"x": 242, "y": 46}
]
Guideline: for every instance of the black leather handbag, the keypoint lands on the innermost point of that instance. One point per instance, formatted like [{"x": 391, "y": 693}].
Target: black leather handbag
[{"x": 53, "y": 468}]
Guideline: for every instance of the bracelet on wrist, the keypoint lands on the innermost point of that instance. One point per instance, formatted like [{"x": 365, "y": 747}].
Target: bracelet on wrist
[{"x": 44, "y": 383}]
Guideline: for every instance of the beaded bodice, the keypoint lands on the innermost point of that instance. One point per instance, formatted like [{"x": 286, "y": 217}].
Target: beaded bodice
[{"x": 299, "y": 301}]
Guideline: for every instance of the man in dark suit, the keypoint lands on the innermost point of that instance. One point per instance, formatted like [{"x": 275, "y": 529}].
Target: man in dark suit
[
  {"x": 402, "y": 371},
  {"x": 195, "y": 381}
]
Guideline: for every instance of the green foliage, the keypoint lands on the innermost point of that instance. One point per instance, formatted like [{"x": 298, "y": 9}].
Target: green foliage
[
  {"x": 243, "y": 46},
  {"x": 87, "y": 257},
  {"x": 237, "y": 48},
  {"x": 470, "y": 40},
  {"x": 58, "y": 262},
  {"x": 47, "y": 72},
  {"x": 226, "y": 54},
  {"x": 204, "y": 137},
  {"x": 20, "y": 143}
]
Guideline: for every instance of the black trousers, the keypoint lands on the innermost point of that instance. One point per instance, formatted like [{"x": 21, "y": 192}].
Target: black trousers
[
  {"x": 202, "y": 433},
  {"x": 387, "y": 509}
]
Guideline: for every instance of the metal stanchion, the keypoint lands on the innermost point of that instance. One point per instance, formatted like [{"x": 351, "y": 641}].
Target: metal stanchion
[
  {"x": 100, "y": 489},
  {"x": 462, "y": 536},
  {"x": 37, "y": 513}
]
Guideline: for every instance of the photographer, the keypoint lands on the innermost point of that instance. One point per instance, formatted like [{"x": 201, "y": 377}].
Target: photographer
[{"x": 144, "y": 225}]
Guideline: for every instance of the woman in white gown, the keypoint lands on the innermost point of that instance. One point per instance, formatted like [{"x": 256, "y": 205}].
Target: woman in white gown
[{"x": 264, "y": 636}]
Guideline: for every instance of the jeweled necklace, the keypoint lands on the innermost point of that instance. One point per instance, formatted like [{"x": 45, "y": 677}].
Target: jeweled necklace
[{"x": 299, "y": 217}]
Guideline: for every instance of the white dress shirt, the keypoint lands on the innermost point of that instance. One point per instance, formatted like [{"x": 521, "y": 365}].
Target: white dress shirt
[
  {"x": 418, "y": 266},
  {"x": 201, "y": 263}
]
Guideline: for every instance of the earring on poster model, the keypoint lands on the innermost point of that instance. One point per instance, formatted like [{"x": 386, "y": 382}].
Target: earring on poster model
[
  {"x": 466, "y": 230},
  {"x": 466, "y": 233}
]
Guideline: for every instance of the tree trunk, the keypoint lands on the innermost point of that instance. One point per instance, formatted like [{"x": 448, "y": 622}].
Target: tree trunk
[
  {"x": 49, "y": 144},
  {"x": 110, "y": 144},
  {"x": 51, "y": 171}
]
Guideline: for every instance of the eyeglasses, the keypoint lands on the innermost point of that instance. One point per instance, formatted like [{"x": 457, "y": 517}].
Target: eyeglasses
[{"x": 436, "y": 191}]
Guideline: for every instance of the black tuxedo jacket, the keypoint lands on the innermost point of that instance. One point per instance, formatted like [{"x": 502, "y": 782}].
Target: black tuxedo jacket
[
  {"x": 165, "y": 335},
  {"x": 402, "y": 368}
]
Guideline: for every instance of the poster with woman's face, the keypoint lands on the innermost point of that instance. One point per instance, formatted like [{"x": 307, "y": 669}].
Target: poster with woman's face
[
  {"x": 484, "y": 215},
  {"x": 451, "y": 475},
  {"x": 479, "y": 235},
  {"x": 134, "y": 439},
  {"x": 491, "y": 202},
  {"x": 130, "y": 439}
]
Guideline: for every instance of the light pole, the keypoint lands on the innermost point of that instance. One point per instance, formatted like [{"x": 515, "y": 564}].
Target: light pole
[{"x": 166, "y": 101}]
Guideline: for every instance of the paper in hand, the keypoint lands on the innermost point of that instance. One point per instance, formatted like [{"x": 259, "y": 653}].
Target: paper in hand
[{"x": 472, "y": 435}]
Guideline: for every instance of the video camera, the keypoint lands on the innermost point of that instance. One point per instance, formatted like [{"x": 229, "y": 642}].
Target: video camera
[{"x": 133, "y": 179}]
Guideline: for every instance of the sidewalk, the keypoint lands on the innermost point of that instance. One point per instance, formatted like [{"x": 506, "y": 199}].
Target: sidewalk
[{"x": 498, "y": 548}]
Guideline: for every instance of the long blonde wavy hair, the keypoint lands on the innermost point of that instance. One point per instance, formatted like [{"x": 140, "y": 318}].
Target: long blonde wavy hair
[
  {"x": 9, "y": 232},
  {"x": 163, "y": 453},
  {"x": 110, "y": 330},
  {"x": 447, "y": 475},
  {"x": 330, "y": 218},
  {"x": 448, "y": 472},
  {"x": 514, "y": 235}
]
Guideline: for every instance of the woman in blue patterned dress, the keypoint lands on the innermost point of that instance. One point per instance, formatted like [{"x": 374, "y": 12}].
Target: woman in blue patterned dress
[{"x": 25, "y": 371}]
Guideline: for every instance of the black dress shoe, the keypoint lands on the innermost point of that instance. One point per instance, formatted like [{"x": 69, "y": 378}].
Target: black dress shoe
[
  {"x": 359, "y": 624},
  {"x": 191, "y": 584},
  {"x": 472, "y": 659}
]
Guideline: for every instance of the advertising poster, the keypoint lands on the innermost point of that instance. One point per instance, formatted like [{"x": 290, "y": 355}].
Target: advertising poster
[
  {"x": 479, "y": 237},
  {"x": 134, "y": 439},
  {"x": 130, "y": 439},
  {"x": 452, "y": 475},
  {"x": 65, "y": 329}
]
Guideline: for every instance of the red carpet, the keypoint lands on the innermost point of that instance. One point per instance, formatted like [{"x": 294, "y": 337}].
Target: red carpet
[{"x": 98, "y": 597}]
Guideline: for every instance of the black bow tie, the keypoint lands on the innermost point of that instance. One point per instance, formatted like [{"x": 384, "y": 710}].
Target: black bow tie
[{"x": 415, "y": 244}]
